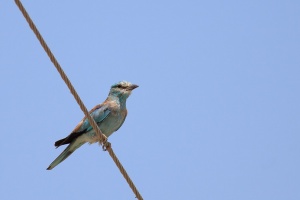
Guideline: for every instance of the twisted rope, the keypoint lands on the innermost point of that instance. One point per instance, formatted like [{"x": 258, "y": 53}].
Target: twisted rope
[{"x": 102, "y": 137}]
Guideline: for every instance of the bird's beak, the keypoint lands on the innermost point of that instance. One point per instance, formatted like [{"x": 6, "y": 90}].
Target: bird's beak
[{"x": 133, "y": 86}]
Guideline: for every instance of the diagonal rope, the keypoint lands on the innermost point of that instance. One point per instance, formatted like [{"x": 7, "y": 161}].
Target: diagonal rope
[{"x": 102, "y": 137}]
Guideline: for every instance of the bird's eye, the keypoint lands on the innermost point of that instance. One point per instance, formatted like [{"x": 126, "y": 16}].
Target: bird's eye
[{"x": 120, "y": 86}]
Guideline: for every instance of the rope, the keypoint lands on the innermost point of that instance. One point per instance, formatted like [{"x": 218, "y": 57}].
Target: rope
[{"x": 102, "y": 137}]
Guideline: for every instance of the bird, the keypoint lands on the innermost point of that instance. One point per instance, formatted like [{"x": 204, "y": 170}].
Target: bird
[{"x": 109, "y": 116}]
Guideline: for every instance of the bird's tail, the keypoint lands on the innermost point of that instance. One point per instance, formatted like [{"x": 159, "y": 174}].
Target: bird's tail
[{"x": 66, "y": 153}]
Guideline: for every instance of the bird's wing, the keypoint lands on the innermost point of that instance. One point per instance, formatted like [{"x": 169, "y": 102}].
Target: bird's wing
[{"x": 99, "y": 113}]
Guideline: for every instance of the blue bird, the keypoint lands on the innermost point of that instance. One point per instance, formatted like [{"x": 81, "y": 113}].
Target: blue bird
[{"x": 109, "y": 116}]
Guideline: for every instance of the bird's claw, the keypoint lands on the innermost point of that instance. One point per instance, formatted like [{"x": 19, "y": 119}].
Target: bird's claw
[{"x": 106, "y": 145}]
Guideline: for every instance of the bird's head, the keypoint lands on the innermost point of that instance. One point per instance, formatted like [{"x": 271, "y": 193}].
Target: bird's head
[{"x": 122, "y": 89}]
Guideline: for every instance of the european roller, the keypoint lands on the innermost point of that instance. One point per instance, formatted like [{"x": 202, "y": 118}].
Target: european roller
[{"x": 109, "y": 116}]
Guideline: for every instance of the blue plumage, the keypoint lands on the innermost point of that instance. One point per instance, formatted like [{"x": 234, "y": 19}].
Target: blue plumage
[{"x": 109, "y": 116}]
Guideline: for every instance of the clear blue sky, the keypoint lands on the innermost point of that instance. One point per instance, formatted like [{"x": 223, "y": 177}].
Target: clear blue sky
[{"x": 216, "y": 115}]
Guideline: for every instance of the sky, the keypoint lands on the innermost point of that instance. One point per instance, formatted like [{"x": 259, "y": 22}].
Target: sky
[{"x": 216, "y": 115}]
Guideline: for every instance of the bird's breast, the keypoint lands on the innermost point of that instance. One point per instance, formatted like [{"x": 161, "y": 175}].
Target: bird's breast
[{"x": 113, "y": 121}]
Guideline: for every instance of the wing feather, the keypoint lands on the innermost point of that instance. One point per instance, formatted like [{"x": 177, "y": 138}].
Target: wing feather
[{"x": 99, "y": 113}]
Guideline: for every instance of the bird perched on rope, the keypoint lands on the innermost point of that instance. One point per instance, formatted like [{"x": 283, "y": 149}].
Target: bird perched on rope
[{"x": 109, "y": 116}]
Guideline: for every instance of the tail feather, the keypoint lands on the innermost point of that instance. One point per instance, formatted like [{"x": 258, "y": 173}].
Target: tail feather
[
  {"x": 72, "y": 137},
  {"x": 66, "y": 153}
]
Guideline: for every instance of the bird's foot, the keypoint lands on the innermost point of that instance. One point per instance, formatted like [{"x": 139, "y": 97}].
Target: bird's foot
[{"x": 106, "y": 145}]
